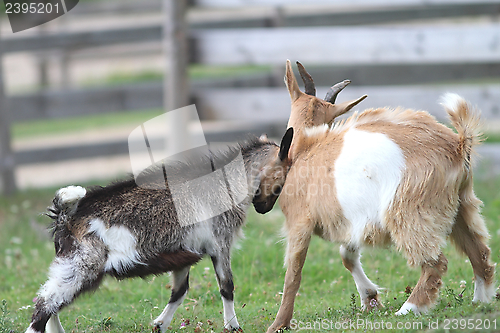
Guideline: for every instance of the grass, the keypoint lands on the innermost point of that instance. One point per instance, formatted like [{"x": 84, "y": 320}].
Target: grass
[
  {"x": 203, "y": 71},
  {"x": 195, "y": 72},
  {"x": 492, "y": 138},
  {"x": 37, "y": 128},
  {"x": 327, "y": 296}
]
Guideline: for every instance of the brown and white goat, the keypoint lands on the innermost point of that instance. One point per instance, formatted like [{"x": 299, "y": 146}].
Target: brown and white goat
[
  {"x": 125, "y": 230},
  {"x": 383, "y": 176}
]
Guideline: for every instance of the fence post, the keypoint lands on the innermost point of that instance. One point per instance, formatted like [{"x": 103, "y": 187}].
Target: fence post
[
  {"x": 176, "y": 88},
  {"x": 7, "y": 163},
  {"x": 64, "y": 56},
  {"x": 42, "y": 61}
]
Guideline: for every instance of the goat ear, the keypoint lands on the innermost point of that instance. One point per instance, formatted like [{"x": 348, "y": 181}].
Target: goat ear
[
  {"x": 286, "y": 142},
  {"x": 291, "y": 82},
  {"x": 339, "y": 109}
]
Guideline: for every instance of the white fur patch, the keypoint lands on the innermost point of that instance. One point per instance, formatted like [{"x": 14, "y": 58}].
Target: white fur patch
[
  {"x": 165, "y": 318},
  {"x": 230, "y": 320},
  {"x": 406, "y": 308},
  {"x": 69, "y": 197},
  {"x": 63, "y": 283},
  {"x": 121, "y": 244},
  {"x": 363, "y": 283},
  {"x": 481, "y": 292},
  {"x": 316, "y": 130},
  {"x": 200, "y": 237},
  {"x": 452, "y": 101},
  {"x": 70, "y": 194},
  {"x": 367, "y": 174}
]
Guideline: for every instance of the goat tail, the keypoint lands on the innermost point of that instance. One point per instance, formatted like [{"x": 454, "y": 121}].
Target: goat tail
[
  {"x": 467, "y": 121},
  {"x": 64, "y": 205}
]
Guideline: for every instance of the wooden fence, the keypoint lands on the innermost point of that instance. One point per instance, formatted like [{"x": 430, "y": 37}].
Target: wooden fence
[{"x": 399, "y": 52}]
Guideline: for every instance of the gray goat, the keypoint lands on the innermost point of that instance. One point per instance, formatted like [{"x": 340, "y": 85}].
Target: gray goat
[{"x": 125, "y": 230}]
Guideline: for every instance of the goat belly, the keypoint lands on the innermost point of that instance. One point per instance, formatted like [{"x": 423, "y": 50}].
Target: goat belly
[
  {"x": 164, "y": 262},
  {"x": 367, "y": 174}
]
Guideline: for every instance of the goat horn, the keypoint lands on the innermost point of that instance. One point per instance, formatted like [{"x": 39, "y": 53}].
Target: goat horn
[
  {"x": 310, "y": 89},
  {"x": 331, "y": 95}
]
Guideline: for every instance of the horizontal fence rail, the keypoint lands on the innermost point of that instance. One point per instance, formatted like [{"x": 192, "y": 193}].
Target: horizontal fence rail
[
  {"x": 422, "y": 44},
  {"x": 79, "y": 102},
  {"x": 132, "y": 7},
  {"x": 336, "y": 3},
  {"x": 419, "y": 41},
  {"x": 244, "y": 104},
  {"x": 221, "y": 132},
  {"x": 339, "y": 16},
  {"x": 273, "y": 104},
  {"x": 85, "y": 39}
]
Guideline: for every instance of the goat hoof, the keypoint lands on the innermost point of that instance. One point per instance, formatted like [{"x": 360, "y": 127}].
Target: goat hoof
[
  {"x": 156, "y": 327},
  {"x": 280, "y": 329},
  {"x": 407, "y": 308},
  {"x": 233, "y": 329},
  {"x": 372, "y": 303}
]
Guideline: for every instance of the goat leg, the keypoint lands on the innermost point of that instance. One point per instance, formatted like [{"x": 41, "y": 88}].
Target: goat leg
[
  {"x": 367, "y": 290},
  {"x": 179, "y": 291},
  {"x": 222, "y": 266},
  {"x": 295, "y": 258}
]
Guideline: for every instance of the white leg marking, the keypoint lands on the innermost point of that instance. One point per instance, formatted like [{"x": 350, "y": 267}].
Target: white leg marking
[
  {"x": 230, "y": 320},
  {"x": 481, "y": 292},
  {"x": 367, "y": 174},
  {"x": 54, "y": 325},
  {"x": 121, "y": 245},
  {"x": 407, "y": 307},
  {"x": 165, "y": 318},
  {"x": 363, "y": 283}
]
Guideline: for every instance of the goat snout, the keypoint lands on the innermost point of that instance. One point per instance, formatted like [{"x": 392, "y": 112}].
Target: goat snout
[
  {"x": 264, "y": 206},
  {"x": 264, "y": 202}
]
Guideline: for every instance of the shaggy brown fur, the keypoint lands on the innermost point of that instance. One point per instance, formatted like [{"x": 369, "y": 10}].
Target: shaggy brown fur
[
  {"x": 433, "y": 200},
  {"x": 427, "y": 289}
]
